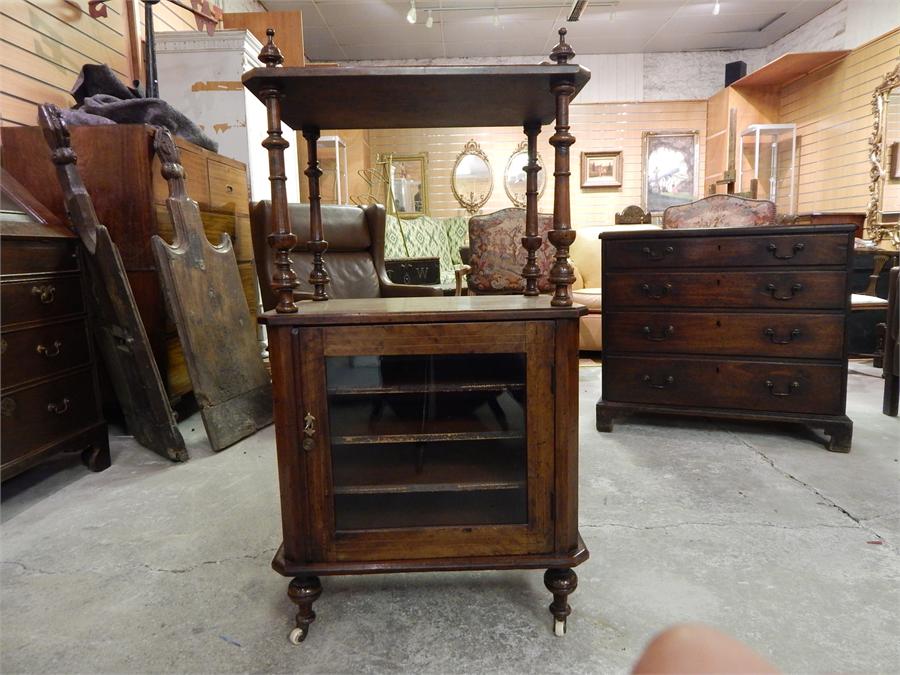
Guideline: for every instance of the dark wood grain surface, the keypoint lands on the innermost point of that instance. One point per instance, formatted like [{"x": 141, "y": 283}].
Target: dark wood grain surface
[{"x": 432, "y": 96}]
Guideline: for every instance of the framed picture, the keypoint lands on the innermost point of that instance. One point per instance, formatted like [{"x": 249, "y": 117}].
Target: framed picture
[
  {"x": 408, "y": 184},
  {"x": 601, "y": 169},
  {"x": 671, "y": 171}
]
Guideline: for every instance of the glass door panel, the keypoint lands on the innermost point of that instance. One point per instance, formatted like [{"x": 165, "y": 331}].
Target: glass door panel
[{"x": 428, "y": 440}]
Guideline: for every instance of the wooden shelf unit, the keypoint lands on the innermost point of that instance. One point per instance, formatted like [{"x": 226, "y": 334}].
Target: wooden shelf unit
[{"x": 419, "y": 434}]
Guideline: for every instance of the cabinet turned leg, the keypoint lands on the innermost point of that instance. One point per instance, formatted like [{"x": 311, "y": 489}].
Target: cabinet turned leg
[
  {"x": 604, "y": 420},
  {"x": 303, "y": 592},
  {"x": 560, "y": 582},
  {"x": 840, "y": 436}
]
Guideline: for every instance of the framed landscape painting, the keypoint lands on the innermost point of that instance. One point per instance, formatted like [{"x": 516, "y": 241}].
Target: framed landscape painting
[
  {"x": 601, "y": 169},
  {"x": 671, "y": 171}
]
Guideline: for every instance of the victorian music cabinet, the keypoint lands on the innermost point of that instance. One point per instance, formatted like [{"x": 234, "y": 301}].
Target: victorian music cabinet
[{"x": 422, "y": 434}]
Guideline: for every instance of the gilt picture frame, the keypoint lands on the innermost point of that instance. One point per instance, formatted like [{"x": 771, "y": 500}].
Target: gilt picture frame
[
  {"x": 671, "y": 169},
  {"x": 601, "y": 169}
]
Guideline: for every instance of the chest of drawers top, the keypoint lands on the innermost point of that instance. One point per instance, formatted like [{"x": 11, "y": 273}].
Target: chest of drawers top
[{"x": 764, "y": 247}]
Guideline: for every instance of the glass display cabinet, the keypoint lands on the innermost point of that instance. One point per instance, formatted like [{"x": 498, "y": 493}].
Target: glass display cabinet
[
  {"x": 768, "y": 156},
  {"x": 425, "y": 433}
]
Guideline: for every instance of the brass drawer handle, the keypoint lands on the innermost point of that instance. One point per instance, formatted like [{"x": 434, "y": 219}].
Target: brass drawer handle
[
  {"x": 46, "y": 292},
  {"x": 654, "y": 255},
  {"x": 796, "y": 248},
  {"x": 7, "y": 406},
  {"x": 656, "y": 295},
  {"x": 668, "y": 382},
  {"x": 309, "y": 430},
  {"x": 59, "y": 408},
  {"x": 773, "y": 289},
  {"x": 794, "y": 386},
  {"x": 3, "y": 345},
  {"x": 666, "y": 333},
  {"x": 770, "y": 333},
  {"x": 229, "y": 189},
  {"x": 51, "y": 352}
]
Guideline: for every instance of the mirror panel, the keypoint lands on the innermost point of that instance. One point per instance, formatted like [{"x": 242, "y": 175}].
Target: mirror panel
[
  {"x": 472, "y": 180},
  {"x": 514, "y": 176},
  {"x": 884, "y": 144},
  {"x": 407, "y": 180}
]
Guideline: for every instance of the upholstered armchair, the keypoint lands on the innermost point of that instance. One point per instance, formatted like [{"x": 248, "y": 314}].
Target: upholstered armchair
[{"x": 354, "y": 259}]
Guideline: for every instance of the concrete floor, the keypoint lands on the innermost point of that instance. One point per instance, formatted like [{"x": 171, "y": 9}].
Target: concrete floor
[{"x": 758, "y": 530}]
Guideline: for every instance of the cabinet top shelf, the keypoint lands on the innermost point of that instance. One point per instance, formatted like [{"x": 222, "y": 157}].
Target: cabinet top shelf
[
  {"x": 416, "y": 96},
  {"x": 424, "y": 310}
]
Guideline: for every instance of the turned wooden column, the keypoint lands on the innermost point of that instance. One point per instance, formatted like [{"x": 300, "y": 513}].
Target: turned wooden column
[
  {"x": 318, "y": 277},
  {"x": 562, "y": 235},
  {"x": 532, "y": 240},
  {"x": 282, "y": 239}
]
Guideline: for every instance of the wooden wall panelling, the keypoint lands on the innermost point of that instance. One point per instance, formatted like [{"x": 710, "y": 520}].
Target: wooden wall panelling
[
  {"x": 43, "y": 46},
  {"x": 596, "y": 126},
  {"x": 832, "y": 110},
  {"x": 288, "y": 31}
]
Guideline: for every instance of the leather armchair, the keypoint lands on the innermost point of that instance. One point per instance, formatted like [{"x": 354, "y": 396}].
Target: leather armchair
[{"x": 354, "y": 259}]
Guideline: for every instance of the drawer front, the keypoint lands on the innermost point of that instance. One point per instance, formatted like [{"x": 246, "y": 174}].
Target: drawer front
[
  {"x": 809, "y": 336},
  {"x": 40, "y": 299},
  {"x": 37, "y": 256},
  {"x": 779, "y": 250},
  {"x": 38, "y": 415},
  {"x": 796, "y": 289},
  {"x": 40, "y": 352},
  {"x": 196, "y": 180},
  {"x": 746, "y": 385},
  {"x": 228, "y": 188}
]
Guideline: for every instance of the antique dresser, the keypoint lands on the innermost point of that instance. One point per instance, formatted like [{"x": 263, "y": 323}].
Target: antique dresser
[
  {"x": 424, "y": 434},
  {"x": 746, "y": 323},
  {"x": 50, "y": 398},
  {"x": 123, "y": 177}
]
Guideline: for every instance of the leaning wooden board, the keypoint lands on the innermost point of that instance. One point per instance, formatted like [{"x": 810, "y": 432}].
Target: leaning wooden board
[
  {"x": 118, "y": 326},
  {"x": 202, "y": 286}
]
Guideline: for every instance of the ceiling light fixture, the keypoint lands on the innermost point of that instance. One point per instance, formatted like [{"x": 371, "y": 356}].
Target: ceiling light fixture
[
  {"x": 429, "y": 22},
  {"x": 411, "y": 14},
  {"x": 716, "y": 8},
  {"x": 577, "y": 8}
]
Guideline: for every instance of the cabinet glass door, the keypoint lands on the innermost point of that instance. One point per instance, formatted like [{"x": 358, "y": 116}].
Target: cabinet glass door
[{"x": 442, "y": 434}]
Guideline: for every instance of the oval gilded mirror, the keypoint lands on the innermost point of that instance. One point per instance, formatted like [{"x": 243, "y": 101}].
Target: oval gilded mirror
[
  {"x": 472, "y": 180},
  {"x": 514, "y": 176}
]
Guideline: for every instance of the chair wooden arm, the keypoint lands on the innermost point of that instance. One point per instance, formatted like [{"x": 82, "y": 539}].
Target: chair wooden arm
[{"x": 460, "y": 272}]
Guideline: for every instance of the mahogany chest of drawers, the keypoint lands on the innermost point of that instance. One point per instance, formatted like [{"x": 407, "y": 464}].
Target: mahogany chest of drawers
[
  {"x": 746, "y": 323},
  {"x": 50, "y": 397}
]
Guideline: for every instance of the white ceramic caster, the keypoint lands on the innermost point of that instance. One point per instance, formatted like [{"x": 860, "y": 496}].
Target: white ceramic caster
[
  {"x": 559, "y": 627},
  {"x": 296, "y": 636}
]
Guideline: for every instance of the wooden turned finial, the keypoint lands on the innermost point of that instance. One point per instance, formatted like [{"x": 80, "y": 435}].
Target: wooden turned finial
[
  {"x": 563, "y": 51},
  {"x": 270, "y": 54}
]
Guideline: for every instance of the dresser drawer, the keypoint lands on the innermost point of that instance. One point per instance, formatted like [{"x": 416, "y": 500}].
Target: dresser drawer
[
  {"x": 36, "y": 353},
  {"x": 778, "y": 250},
  {"x": 36, "y": 416},
  {"x": 40, "y": 300},
  {"x": 810, "y": 336},
  {"x": 228, "y": 188},
  {"x": 797, "y": 289},
  {"x": 747, "y": 385},
  {"x": 37, "y": 256}
]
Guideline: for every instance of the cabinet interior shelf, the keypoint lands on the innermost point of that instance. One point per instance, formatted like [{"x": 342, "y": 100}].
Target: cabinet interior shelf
[
  {"x": 425, "y": 437},
  {"x": 428, "y": 487},
  {"x": 426, "y": 388}
]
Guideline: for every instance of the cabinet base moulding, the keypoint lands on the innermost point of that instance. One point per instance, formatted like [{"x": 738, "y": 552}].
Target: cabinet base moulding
[{"x": 838, "y": 428}]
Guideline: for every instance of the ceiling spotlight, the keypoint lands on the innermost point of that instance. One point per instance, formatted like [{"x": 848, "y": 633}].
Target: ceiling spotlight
[
  {"x": 716, "y": 8},
  {"x": 429, "y": 22},
  {"x": 411, "y": 14}
]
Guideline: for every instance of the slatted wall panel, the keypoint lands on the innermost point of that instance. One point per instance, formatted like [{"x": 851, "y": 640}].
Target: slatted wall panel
[
  {"x": 596, "y": 126},
  {"x": 43, "y": 46},
  {"x": 832, "y": 110}
]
